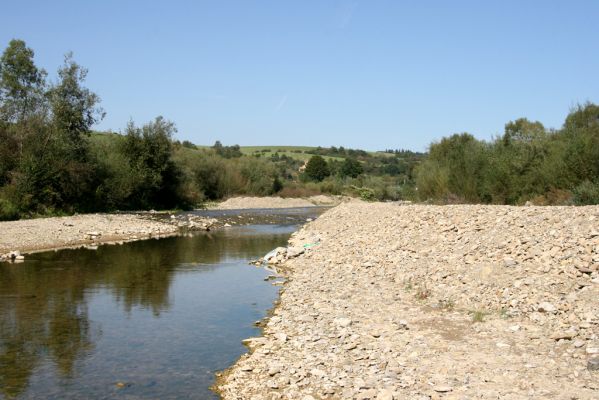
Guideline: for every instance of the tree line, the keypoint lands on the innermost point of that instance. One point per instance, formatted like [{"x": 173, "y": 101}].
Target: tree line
[
  {"x": 51, "y": 162},
  {"x": 527, "y": 163}
]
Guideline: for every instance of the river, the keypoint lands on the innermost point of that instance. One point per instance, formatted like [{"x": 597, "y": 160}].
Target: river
[{"x": 148, "y": 319}]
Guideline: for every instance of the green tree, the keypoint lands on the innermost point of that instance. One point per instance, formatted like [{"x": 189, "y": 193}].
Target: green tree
[
  {"x": 22, "y": 84},
  {"x": 156, "y": 177},
  {"x": 455, "y": 167},
  {"x": 317, "y": 168},
  {"x": 581, "y": 136},
  {"x": 74, "y": 107},
  {"x": 515, "y": 172},
  {"x": 351, "y": 167}
]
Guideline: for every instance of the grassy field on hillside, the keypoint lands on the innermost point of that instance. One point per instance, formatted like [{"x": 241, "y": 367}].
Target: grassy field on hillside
[
  {"x": 280, "y": 149},
  {"x": 296, "y": 152}
]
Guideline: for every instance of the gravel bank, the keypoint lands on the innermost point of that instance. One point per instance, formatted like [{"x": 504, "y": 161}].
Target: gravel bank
[
  {"x": 40, "y": 234},
  {"x": 240, "y": 203},
  {"x": 433, "y": 302}
]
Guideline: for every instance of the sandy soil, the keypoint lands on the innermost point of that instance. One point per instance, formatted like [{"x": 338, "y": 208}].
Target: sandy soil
[
  {"x": 387, "y": 301},
  {"x": 40, "y": 234}
]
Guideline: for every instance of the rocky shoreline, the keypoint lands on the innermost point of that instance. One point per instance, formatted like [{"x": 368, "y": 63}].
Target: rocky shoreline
[
  {"x": 90, "y": 230},
  {"x": 388, "y": 301},
  {"x": 18, "y": 238},
  {"x": 240, "y": 203}
]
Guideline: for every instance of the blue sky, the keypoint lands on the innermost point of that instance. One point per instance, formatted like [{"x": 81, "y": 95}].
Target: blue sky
[{"x": 365, "y": 74}]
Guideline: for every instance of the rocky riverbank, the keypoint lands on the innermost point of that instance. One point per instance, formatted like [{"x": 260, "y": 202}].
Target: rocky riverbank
[
  {"x": 27, "y": 236},
  {"x": 388, "y": 301},
  {"x": 240, "y": 203}
]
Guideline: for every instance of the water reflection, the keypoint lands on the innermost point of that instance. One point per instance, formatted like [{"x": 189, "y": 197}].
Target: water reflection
[{"x": 51, "y": 343}]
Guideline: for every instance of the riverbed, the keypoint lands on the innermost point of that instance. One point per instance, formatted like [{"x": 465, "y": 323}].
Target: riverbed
[{"x": 147, "y": 319}]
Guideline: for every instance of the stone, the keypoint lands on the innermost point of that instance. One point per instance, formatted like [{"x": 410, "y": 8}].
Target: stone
[
  {"x": 592, "y": 350},
  {"x": 367, "y": 394},
  {"x": 317, "y": 372},
  {"x": 384, "y": 394},
  {"x": 547, "y": 307},
  {"x": 442, "y": 389},
  {"x": 593, "y": 364},
  {"x": 368, "y": 264},
  {"x": 350, "y": 346},
  {"x": 567, "y": 335},
  {"x": 14, "y": 254},
  {"x": 280, "y": 336},
  {"x": 293, "y": 252},
  {"x": 343, "y": 322},
  {"x": 403, "y": 324},
  {"x": 509, "y": 262},
  {"x": 93, "y": 234}
]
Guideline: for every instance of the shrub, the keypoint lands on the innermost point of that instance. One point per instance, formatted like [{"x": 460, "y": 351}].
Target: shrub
[
  {"x": 294, "y": 191},
  {"x": 277, "y": 185},
  {"x": 586, "y": 193},
  {"x": 8, "y": 210}
]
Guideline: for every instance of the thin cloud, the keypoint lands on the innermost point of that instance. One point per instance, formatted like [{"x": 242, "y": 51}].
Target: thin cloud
[
  {"x": 281, "y": 103},
  {"x": 345, "y": 14}
]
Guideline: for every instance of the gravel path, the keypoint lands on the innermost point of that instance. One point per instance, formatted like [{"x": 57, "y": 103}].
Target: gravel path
[
  {"x": 432, "y": 302},
  {"x": 40, "y": 234}
]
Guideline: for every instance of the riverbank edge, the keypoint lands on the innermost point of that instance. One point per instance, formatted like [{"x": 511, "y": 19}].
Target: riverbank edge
[
  {"x": 445, "y": 225},
  {"x": 98, "y": 230},
  {"x": 148, "y": 225},
  {"x": 285, "y": 273}
]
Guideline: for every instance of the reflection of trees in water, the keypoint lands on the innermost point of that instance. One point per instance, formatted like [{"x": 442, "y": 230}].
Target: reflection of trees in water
[
  {"x": 43, "y": 309},
  {"x": 39, "y": 316}
]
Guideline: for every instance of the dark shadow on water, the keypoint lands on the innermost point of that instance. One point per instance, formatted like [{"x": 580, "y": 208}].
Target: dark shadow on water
[{"x": 160, "y": 316}]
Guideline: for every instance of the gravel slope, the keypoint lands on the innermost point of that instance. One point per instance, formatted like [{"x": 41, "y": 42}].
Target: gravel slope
[{"x": 433, "y": 302}]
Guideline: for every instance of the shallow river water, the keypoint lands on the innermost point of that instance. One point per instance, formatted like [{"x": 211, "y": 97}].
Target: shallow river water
[{"x": 149, "y": 319}]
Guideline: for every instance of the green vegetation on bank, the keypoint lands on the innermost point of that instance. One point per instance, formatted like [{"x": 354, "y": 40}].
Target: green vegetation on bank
[
  {"x": 527, "y": 163},
  {"x": 51, "y": 163}
]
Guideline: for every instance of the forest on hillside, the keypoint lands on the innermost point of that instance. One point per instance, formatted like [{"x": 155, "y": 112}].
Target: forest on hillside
[{"x": 52, "y": 162}]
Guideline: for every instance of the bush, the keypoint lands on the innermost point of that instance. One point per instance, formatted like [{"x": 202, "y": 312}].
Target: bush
[
  {"x": 351, "y": 167},
  {"x": 295, "y": 191},
  {"x": 587, "y": 193},
  {"x": 8, "y": 210},
  {"x": 277, "y": 185},
  {"x": 366, "y": 194}
]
